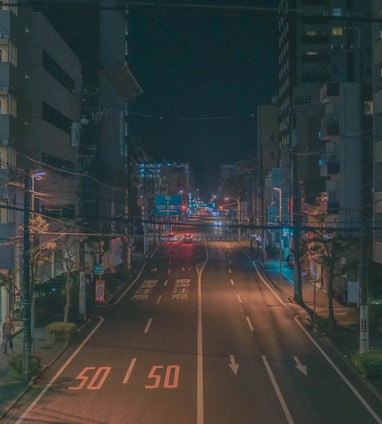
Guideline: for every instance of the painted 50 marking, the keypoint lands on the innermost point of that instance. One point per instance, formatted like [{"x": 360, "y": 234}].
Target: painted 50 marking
[{"x": 92, "y": 378}]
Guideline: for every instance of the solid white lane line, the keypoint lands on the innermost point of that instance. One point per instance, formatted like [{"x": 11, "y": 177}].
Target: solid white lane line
[
  {"x": 340, "y": 373},
  {"x": 129, "y": 370},
  {"x": 199, "y": 364},
  {"x": 277, "y": 390},
  {"x": 59, "y": 372},
  {"x": 148, "y": 325},
  {"x": 249, "y": 324}
]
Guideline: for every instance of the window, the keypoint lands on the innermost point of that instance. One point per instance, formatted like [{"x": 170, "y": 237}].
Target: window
[
  {"x": 337, "y": 11},
  {"x": 337, "y": 31},
  {"x": 51, "y": 66},
  {"x": 56, "y": 118},
  {"x": 311, "y": 33}
]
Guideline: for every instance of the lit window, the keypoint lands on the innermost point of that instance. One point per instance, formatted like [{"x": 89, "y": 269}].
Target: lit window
[
  {"x": 368, "y": 108},
  {"x": 311, "y": 53},
  {"x": 337, "y": 31},
  {"x": 337, "y": 11},
  {"x": 311, "y": 32}
]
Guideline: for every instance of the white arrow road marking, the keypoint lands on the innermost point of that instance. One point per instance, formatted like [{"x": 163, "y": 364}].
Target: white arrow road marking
[
  {"x": 233, "y": 365},
  {"x": 300, "y": 367}
]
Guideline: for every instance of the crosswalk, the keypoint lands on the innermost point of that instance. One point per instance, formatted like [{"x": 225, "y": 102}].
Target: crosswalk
[{"x": 210, "y": 237}]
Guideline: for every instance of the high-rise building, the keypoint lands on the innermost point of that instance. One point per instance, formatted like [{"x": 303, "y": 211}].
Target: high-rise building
[{"x": 323, "y": 42}]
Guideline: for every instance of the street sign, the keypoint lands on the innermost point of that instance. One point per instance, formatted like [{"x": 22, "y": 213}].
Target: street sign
[
  {"x": 168, "y": 205},
  {"x": 98, "y": 269}
]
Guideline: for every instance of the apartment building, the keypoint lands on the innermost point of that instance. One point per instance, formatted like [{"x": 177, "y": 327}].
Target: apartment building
[
  {"x": 319, "y": 42},
  {"x": 40, "y": 103},
  {"x": 377, "y": 132}
]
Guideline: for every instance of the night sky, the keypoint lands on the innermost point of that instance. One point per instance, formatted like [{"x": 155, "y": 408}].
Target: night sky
[{"x": 203, "y": 74}]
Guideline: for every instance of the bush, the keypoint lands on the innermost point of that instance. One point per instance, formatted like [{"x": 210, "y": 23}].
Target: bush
[
  {"x": 65, "y": 331},
  {"x": 16, "y": 363},
  {"x": 322, "y": 324},
  {"x": 369, "y": 364}
]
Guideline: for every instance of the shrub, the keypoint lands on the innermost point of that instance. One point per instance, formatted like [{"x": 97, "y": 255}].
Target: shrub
[
  {"x": 369, "y": 364},
  {"x": 62, "y": 330},
  {"x": 16, "y": 363},
  {"x": 322, "y": 324}
]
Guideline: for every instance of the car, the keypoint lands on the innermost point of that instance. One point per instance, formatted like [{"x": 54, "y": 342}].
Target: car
[
  {"x": 187, "y": 238},
  {"x": 171, "y": 237},
  {"x": 218, "y": 223}
]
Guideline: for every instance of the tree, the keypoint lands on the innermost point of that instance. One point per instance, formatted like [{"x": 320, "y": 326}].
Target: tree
[
  {"x": 40, "y": 253},
  {"x": 330, "y": 248},
  {"x": 68, "y": 248}
]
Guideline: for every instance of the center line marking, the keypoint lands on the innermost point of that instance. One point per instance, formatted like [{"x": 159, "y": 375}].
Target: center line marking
[
  {"x": 148, "y": 325},
  {"x": 129, "y": 370},
  {"x": 249, "y": 324}
]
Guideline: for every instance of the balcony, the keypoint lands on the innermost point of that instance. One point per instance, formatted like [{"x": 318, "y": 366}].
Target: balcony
[
  {"x": 329, "y": 92},
  {"x": 330, "y": 127},
  {"x": 378, "y": 152},
  {"x": 378, "y": 103},
  {"x": 378, "y": 202},
  {"x": 378, "y": 251},
  {"x": 328, "y": 168},
  {"x": 333, "y": 207}
]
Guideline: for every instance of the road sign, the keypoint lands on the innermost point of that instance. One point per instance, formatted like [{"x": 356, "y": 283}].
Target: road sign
[
  {"x": 168, "y": 205},
  {"x": 98, "y": 269}
]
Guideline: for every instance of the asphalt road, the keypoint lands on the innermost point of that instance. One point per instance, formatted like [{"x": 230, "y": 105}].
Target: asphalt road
[{"x": 199, "y": 338}]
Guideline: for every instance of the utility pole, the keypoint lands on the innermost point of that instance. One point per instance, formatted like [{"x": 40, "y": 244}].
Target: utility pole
[{"x": 27, "y": 341}]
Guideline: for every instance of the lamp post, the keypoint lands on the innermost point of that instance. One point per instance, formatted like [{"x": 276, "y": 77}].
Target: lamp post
[
  {"x": 278, "y": 189},
  {"x": 35, "y": 176}
]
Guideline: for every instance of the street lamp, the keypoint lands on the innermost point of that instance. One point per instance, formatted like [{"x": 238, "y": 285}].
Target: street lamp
[
  {"x": 238, "y": 215},
  {"x": 278, "y": 189},
  {"x": 34, "y": 176}
]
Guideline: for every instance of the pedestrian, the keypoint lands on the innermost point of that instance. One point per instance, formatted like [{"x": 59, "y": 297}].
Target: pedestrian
[{"x": 8, "y": 331}]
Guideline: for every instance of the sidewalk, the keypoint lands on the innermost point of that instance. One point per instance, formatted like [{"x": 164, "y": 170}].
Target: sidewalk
[
  {"x": 10, "y": 388},
  {"x": 315, "y": 304},
  {"x": 49, "y": 349}
]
